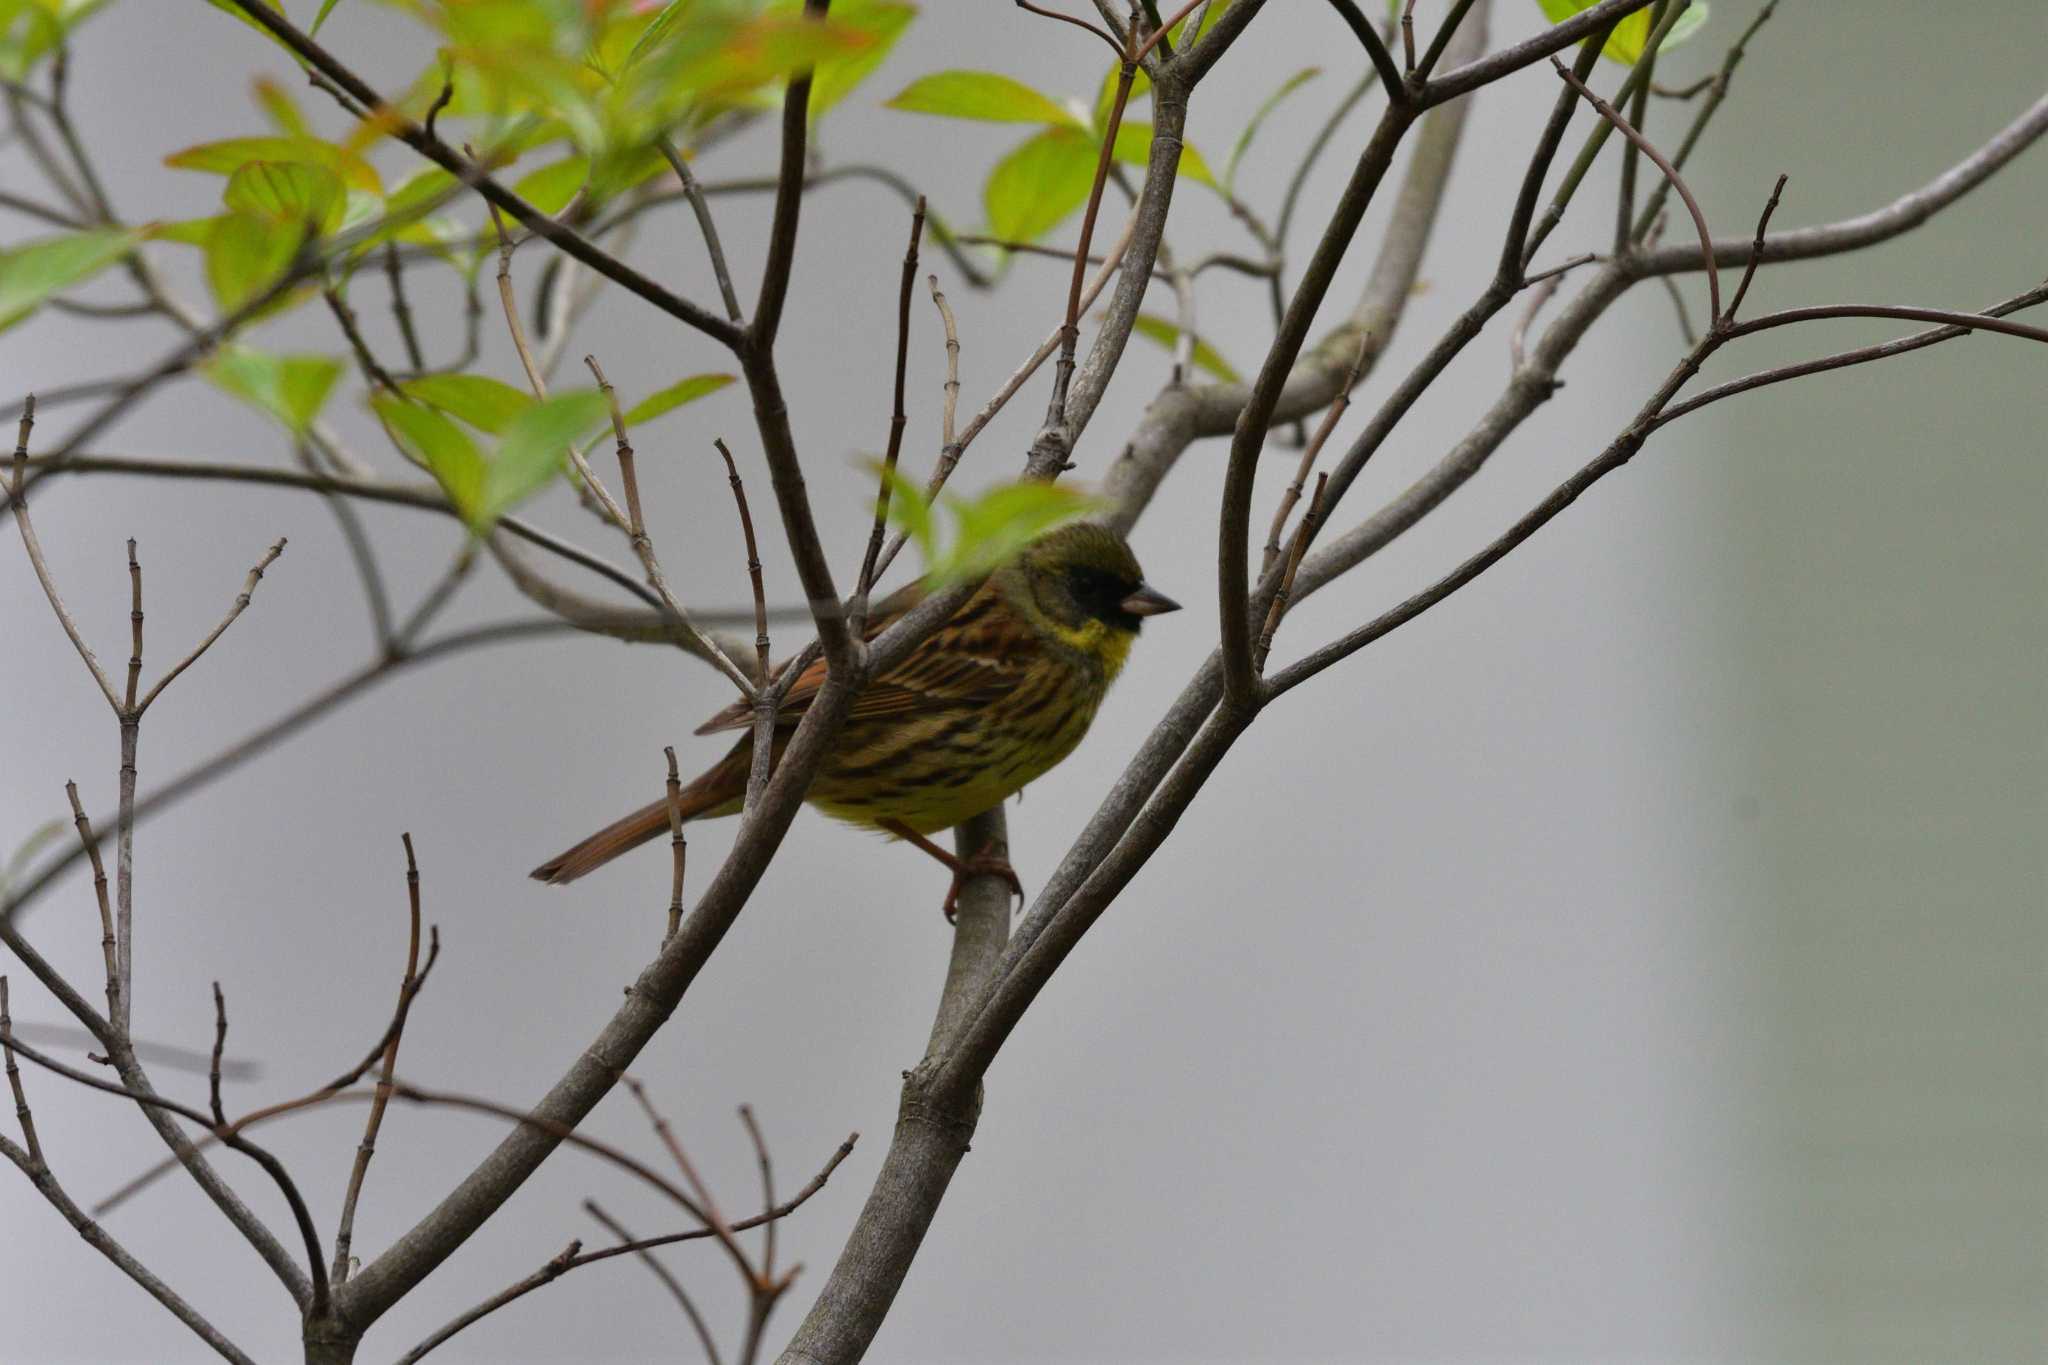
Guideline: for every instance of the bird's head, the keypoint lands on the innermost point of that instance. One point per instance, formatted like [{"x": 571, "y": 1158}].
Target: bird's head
[{"x": 1082, "y": 584}]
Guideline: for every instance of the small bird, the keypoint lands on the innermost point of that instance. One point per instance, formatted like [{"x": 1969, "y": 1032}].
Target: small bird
[{"x": 992, "y": 699}]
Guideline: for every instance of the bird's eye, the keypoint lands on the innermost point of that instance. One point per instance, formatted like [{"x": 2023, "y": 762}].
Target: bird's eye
[{"x": 1096, "y": 592}]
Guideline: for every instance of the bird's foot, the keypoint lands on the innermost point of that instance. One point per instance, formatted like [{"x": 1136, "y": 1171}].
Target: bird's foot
[{"x": 988, "y": 862}]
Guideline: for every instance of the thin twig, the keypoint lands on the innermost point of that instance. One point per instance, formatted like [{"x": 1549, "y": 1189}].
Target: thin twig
[
  {"x": 571, "y": 1259},
  {"x": 695, "y": 194},
  {"x": 1331, "y": 416},
  {"x": 643, "y": 545},
  {"x": 1718, "y": 85},
  {"x": 662, "y": 1273},
  {"x": 952, "y": 388},
  {"x": 345, "y": 317},
  {"x": 1295, "y": 548},
  {"x": 739, "y": 497},
  {"x": 240, "y": 605},
  {"x": 401, "y": 306},
  {"x": 408, "y": 987},
  {"x": 91, "y": 845},
  {"x": 35, "y": 557},
  {"x": 21, "y": 1110},
  {"x": 857, "y": 614},
  {"x": 1692, "y": 205},
  {"x": 220, "y": 1042},
  {"x": 710, "y": 1212},
  {"x": 678, "y": 848},
  {"x": 767, "y": 1189},
  {"x": 1756, "y": 255}
]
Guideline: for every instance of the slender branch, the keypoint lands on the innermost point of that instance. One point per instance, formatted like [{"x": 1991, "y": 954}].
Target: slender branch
[
  {"x": 19, "y": 501},
  {"x": 693, "y": 192},
  {"x": 318, "y": 1301},
  {"x": 857, "y": 614},
  {"x": 1717, "y": 85},
  {"x": 574, "y": 1257},
  {"x": 1375, "y": 50},
  {"x": 408, "y": 987},
  {"x": 643, "y": 545},
  {"x": 678, "y": 847},
  {"x": 1296, "y": 547},
  {"x": 952, "y": 388},
  {"x": 1902, "y": 214},
  {"x": 240, "y": 605},
  {"x": 1233, "y": 589},
  {"x": 661, "y": 1273},
  {"x": 1692, "y": 205},
  {"x": 99, "y": 1240},
  {"x": 1485, "y": 71}
]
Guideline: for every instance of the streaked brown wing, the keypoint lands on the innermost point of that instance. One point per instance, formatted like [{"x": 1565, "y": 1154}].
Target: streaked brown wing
[{"x": 884, "y": 696}]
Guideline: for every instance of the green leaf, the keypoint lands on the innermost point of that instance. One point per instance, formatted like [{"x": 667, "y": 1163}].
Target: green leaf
[
  {"x": 1251, "y": 128},
  {"x": 281, "y": 109},
  {"x": 444, "y": 448},
  {"x": 674, "y": 396},
  {"x": 909, "y": 510},
  {"x": 555, "y": 184},
  {"x": 882, "y": 22},
  {"x": 1040, "y": 182},
  {"x": 36, "y": 270},
  {"x": 225, "y": 8},
  {"x": 982, "y": 95},
  {"x": 245, "y": 255},
  {"x": 287, "y": 194},
  {"x": 535, "y": 449},
  {"x": 1134, "y": 147},
  {"x": 1105, "y": 99},
  {"x": 291, "y": 388},
  {"x": 230, "y": 155},
  {"x": 1632, "y": 34},
  {"x": 1205, "y": 355},
  {"x": 326, "y": 8},
  {"x": 996, "y": 524},
  {"x": 485, "y": 403}
]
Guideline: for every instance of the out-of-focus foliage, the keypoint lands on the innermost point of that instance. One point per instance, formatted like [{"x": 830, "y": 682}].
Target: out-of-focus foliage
[
  {"x": 34, "y": 271},
  {"x": 1632, "y": 34},
  {"x": 989, "y": 528}
]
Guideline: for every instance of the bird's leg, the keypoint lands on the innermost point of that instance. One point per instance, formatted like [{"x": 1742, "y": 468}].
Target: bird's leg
[{"x": 985, "y": 861}]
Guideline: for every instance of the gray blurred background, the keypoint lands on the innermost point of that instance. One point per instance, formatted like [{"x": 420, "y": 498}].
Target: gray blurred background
[{"x": 1639, "y": 958}]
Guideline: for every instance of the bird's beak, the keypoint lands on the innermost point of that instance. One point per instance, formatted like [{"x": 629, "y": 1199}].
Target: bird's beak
[{"x": 1148, "y": 601}]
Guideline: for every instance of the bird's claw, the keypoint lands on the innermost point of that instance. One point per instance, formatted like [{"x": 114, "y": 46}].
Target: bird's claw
[{"x": 986, "y": 863}]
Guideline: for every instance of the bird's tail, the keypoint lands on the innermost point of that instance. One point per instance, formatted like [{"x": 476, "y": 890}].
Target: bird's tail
[{"x": 717, "y": 792}]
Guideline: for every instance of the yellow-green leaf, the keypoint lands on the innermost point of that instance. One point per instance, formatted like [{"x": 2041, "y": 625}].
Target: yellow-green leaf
[
  {"x": 1631, "y": 34},
  {"x": 535, "y": 449},
  {"x": 1134, "y": 147},
  {"x": 229, "y": 155},
  {"x": 1040, "y": 182},
  {"x": 245, "y": 255},
  {"x": 909, "y": 510},
  {"x": 281, "y": 109},
  {"x": 552, "y": 186},
  {"x": 996, "y": 524},
  {"x": 981, "y": 95},
  {"x": 1205, "y": 356},
  {"x": 287, "y": 194},
  {"x": 882, "y": 22},
  {"x": 675, "y": 395},
  {"x": 485, "y": 403},
  {"x": 34, "y": 271},
  {"x": 291, "y": 388},
  {"x": 444, "y": 448}
]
